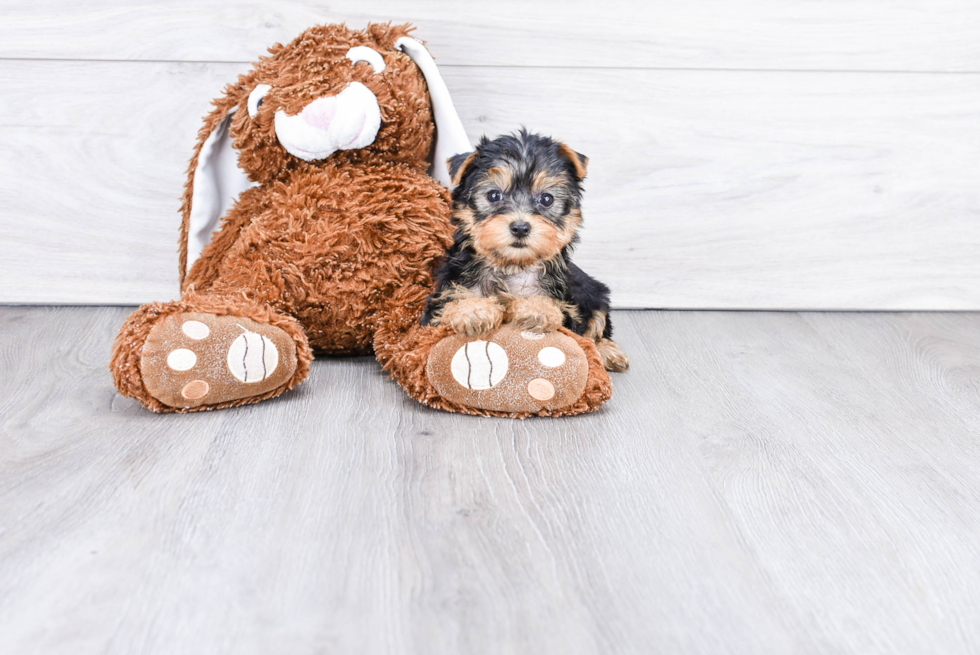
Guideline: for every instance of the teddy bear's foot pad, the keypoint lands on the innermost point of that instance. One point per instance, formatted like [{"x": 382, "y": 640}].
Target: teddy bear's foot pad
[
  {"x": 192, "y": 359},
  {"x": 509, "y": 371}
]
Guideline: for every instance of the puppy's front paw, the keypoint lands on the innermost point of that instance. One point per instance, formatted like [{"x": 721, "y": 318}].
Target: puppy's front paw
[
  {"x": 473, "y": 317},
  {"x": 536, "y": 314}
]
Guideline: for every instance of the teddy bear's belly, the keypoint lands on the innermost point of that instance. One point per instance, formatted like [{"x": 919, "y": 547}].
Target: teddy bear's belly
[
  {"x": 334, "y": 287},
  {"x": 338, "y": 325},
  {"x": 338, "y": 301},
  {"x": 338, "y": 262}
]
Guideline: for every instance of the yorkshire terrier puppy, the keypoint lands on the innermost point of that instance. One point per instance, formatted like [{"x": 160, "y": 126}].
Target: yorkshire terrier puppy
[{"x": 517, "y": 209}]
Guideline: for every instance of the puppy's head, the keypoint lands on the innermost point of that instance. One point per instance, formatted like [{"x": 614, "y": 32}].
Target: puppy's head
[{"x": 518, "y": 197}]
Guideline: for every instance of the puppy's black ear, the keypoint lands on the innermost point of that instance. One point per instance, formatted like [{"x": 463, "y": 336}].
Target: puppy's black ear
[
  {"x": 579, "y": 161},
  {"x": 458, "y": 165}
]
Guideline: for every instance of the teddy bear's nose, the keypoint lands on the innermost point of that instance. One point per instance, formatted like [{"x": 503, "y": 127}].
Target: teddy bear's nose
[{"x": 320, "y": 113}]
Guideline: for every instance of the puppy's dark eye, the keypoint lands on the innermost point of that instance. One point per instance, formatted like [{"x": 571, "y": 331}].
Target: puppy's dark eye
[
  {"x": 546, "y": 200},
  {"x": 494, "y": 196}
]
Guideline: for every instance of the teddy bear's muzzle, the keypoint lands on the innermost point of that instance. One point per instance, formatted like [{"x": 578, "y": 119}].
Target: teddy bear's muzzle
[{"x": 347, "y": 121}]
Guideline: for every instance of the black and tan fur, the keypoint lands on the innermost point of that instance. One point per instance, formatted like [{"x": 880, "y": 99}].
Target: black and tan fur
[{"x": 517, "y": 210}]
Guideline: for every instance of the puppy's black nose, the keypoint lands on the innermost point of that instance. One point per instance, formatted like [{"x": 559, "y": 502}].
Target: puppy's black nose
[{"x": 520, "y": 229}]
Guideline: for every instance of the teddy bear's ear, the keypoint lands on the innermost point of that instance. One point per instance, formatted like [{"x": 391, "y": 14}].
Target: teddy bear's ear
[
  {"x": 214, "y": 184},
  {"x": 451, "y": 138}
]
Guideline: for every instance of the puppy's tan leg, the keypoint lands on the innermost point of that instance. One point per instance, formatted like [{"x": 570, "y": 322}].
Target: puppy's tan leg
[
  {"x": 473, "y": 316},
  {"x": 613, "y": 357},
  {"x": 535, "y": 314}
]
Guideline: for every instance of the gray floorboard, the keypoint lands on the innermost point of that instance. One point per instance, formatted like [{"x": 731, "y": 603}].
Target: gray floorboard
[{"x": 760, "y": 483}]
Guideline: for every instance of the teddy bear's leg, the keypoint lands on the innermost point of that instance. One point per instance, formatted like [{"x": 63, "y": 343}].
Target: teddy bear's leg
[
  {"x": 508, "y": 372},
  {"x": 208, "y": 352}
]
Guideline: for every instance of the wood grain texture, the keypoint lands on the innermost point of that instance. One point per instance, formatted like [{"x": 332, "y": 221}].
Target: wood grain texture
[
  {"x": 784, "y": 483},
  {"x": 94, "y": 167},
  {"x": 706, "y": 189},
  {"x": 918, "y": 35}
]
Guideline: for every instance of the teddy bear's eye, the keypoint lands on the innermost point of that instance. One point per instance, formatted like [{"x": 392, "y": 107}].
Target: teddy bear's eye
[
  {"x": 370, "y": 55},
  {"x": 255, "y": 98}
]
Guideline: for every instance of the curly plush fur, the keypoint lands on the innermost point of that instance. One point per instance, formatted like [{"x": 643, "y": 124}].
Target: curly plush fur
[{"x": 339, "y": 253}]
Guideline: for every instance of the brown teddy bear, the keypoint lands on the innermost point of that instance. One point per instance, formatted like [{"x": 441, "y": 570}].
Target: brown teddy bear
[{"x": 320, "y": 234}]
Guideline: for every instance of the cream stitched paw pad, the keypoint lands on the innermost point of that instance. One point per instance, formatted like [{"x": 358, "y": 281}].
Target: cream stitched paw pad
[
  {"x": 509, "y": 370},
  {"x": 192, "y": 359}
]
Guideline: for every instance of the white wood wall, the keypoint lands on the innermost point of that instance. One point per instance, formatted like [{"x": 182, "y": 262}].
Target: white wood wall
[{"x": 769, "y": 154}]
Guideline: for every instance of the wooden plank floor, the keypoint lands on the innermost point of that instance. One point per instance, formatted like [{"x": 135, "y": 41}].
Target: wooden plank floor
[{"x": 760, "y": 483}]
